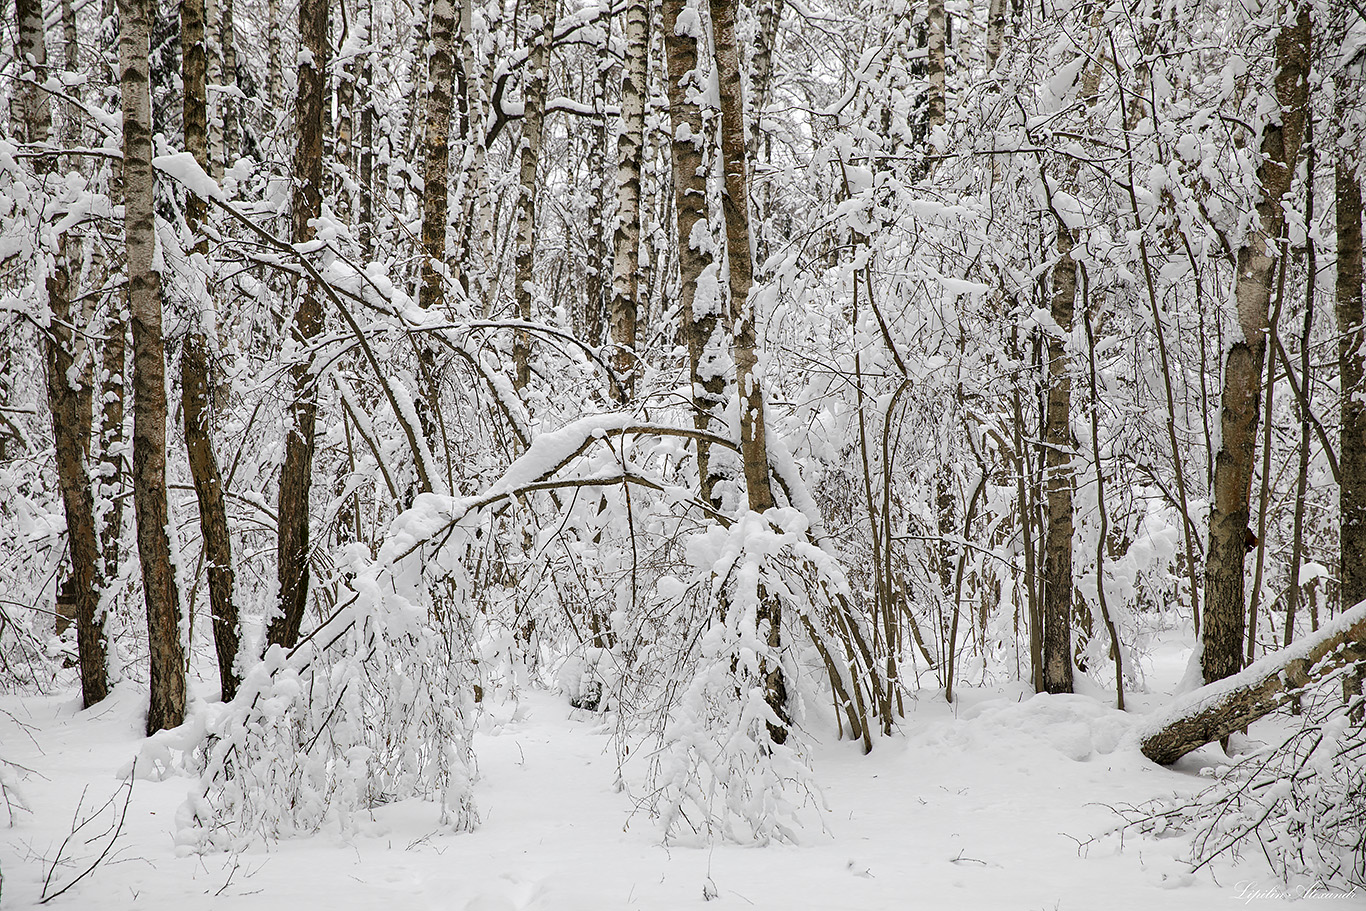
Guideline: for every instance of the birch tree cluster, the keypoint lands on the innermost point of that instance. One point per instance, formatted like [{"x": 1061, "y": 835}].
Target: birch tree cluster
[{"x": 744, "y": 370}]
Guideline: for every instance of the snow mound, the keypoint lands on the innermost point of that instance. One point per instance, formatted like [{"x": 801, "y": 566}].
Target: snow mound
[{"x": 1078, "y": 727}]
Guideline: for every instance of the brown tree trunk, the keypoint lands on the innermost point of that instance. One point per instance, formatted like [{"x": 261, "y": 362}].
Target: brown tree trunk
[
  {"x": 749, "y": 382},
  {"x": 1351, "y": 338},
  {"x": 626, "y": 239},
  {"x": 296, "y": 475},
  {"x": 702, "y": 326},
  {"x": 194, "y": 367},
  {"x": 1057, "y": 570},
  {"x": 65, "y": 401},
  {"x": 164, "y": 630},
  {"x": 1225, "y": 607}
]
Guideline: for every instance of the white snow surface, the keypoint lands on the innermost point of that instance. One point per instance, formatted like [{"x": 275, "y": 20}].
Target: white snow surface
[{"x": 989, "y": 804}]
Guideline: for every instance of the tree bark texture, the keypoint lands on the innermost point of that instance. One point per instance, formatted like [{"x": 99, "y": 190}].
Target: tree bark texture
[
  {"x": 296, "y": 475},
  {"x": 194, "y": 368},
  {"x": 624, "y": 315},
  {"x": 70, "y": 407},
  {"x": 437, "y": 153},
  {"x": 164, "y": 627},
  {"x": 1352, "y": 454},
  {"x": 702, "y": 326},
  {"x": 1057, "y": 570},
  {"x": 749, "y": 380},
  {"x": 1225, "y": 607},
  {"x": 533, "y": 119}
]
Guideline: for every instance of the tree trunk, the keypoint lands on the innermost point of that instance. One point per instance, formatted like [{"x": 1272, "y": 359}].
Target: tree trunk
[
  {"x": 366, "y": 178},
  {"x": 437, "y": 151},
  {"x": 1352, "y": 450},
  {"x": 1225, "y": 607},
  {"x": 274, "y": 41},
  {"x": 296, "y": 475},
  {"x": 542, "y": 27},
  {"x": 1057, "y": 570},
  {"x": 599, "y": 268},
  {"x": 164, "y": 621},
  {"x": 213, "y": 87},
  {"x": 227, "y": 98},
  {"x": 702, "y": 326},
  {"x": 1216, "y": 710},
  {"x": 996, "y": 31},
  {"x": 194, "y": 367},
  {"x": 65, "y": 401},
  {"x": 749, "y": 380},
  {"x": 935, "y": 105},
  {"x": 626, "y": 239}
]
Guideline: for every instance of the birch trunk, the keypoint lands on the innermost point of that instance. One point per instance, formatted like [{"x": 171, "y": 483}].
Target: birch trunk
[
  {"x": 164, "y": 622},
  {"x": 194, "y": 367},
  {"x": 748, "y": 377},
  {"x": 1057, "y": 569},
  {"x": 543, "y": 27},
  {"x": 1352, "y": 493},
  {"x": 296, "y": 475},
  {"x": 702, "y": 326},
  {"x": 626, "y": 238},
  {"x": 436, "y": 153},
  {"x": 65, "y": 400},
  {"x": 934, "y": 73},
  {"x": 213, "y": 87},
  {"x": 996, "y": 31},
  {"x": 227, "y": 98},
  {"x": 1225, "y": 607},
  {"x": 274, "y": 40}
]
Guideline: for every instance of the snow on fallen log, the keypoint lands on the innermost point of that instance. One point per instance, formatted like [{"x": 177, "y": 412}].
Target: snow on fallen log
[{"x": 1217, "y": 710}]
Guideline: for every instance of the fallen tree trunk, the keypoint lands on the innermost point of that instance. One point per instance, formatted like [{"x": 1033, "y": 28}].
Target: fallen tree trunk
[{"x": 1217, "y": 710}]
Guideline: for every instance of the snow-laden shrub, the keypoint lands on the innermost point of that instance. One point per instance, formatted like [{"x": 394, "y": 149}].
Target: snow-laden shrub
[
  {"x": 1299, "y": 801},
  {"x": 377, "y": 705},
  {"x": 720, "y": 773}
]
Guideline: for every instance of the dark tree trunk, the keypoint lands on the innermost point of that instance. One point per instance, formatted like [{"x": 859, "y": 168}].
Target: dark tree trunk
[
  {"x": 296, "y": 475},
  {"x": 194, "y": 368}
]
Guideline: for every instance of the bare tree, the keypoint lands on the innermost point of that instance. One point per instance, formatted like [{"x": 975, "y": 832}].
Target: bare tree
[
  {"x": 296, "y": 475},
  {"x": 70, "y": 405},
  {"x": 749, "y": 382},
  {"x": 1225, "y": 610},
  {"x": 167, "y": 708},
  {"x": 437, "y": 151},
  {"x": 194, "y": 366}
]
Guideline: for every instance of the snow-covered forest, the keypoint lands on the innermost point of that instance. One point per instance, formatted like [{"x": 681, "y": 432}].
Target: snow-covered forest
[{"x": 509, "y": 454}]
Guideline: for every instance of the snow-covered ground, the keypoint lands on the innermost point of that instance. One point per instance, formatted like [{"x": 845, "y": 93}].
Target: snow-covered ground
[{"x": 1000, "y": 802}]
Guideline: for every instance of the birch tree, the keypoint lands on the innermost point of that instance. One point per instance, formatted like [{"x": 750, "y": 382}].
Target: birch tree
[
  {"x": 68, "y": 402},
  {"x": 702, "y": 324},
  {"x": 164, "y": 630},
  {"x": 1240, "y": 399},
  {"x": 296, "y": 475},
  {"x": 195, "y": 384},
  {"x": 630, "y": 155},
  {"x": 748, "y": 373},
  {"x": 542, "y": 28}
]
